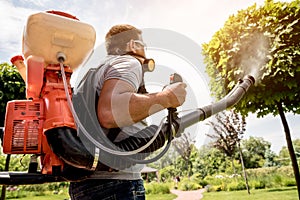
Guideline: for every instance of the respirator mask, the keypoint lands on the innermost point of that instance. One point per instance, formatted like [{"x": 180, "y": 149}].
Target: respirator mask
[{"x": 148, "y": 64}]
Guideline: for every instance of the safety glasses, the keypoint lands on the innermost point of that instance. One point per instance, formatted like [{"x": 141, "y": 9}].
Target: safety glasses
[{"x": 141, "y": 43}]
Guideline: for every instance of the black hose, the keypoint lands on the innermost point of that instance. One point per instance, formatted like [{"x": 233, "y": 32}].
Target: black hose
[
  {"x": 228, "y": 101},
  {"x": 80, "y": 152}
]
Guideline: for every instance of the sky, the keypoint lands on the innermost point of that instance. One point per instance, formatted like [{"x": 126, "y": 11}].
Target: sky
[{"x": 196, "y": 20}]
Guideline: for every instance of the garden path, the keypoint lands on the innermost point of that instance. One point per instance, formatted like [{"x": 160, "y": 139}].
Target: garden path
[{"x": 188, "y": 195}]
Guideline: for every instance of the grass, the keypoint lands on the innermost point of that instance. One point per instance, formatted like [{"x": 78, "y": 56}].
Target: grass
[
  {"x": 160, "y": 196},
  {"x": 65, "y": 196},
  {"x": 45, "y": 196},
  {"x": 287, "y": 193},
  {"x": 62, "y": 197}
]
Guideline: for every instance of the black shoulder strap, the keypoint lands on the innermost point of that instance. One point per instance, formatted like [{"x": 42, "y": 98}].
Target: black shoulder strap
[{"x": 113, "y": 134}]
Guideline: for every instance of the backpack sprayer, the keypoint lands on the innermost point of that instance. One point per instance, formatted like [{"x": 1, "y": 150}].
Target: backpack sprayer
[{"x": 48, "y": 126}]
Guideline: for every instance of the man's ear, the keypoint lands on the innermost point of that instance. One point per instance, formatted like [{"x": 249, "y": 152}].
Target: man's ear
[{"x": 132, "y": 46}]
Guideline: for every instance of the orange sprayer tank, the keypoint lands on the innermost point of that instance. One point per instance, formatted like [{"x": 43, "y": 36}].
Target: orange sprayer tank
[{"x": 46, "y": 34}]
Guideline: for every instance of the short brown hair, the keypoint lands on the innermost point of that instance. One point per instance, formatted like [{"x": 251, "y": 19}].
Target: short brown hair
[{"x": 118, "y": 36}]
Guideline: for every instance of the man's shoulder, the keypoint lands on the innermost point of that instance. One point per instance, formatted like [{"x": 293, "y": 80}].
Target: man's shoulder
[{"x": 119, "y": 59}]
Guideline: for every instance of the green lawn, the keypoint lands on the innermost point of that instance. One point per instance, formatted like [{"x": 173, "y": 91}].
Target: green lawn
[
  {"x": 160, "y": 197},
  {"x": 65, "y": 196},
  {"x": 288, "y": 193},
  {"x": 34, "y": 196},
  {"x": 44, "y": 197}
]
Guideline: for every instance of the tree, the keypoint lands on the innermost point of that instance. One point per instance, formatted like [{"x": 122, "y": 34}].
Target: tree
[
  {"x": 166, "y": 160},
  {"x": 184, "y": 146},
  {"x": 271, "y": 159},
  {"x": 12, "y": 87},
  {"x": 228, "y": 128},
  {"x": 254, "y": 151},
  {"x": 210, "y": 161},
  {"x": 262, "y": 41},
  {"x": 284, "y": 153}
]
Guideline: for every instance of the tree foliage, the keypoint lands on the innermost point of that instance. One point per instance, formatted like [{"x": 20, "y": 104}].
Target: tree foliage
[
  {"x": 17, "y": 162},
  {"x": 264, "y": 42},
  {"x": 210, "y": 161},
  {"x": 12, "y": 87},
  {"x": 228, "y": 129},
  {"x": 184, "y": 146},
  {"x": 254, "y": 151},
  {"x": 284, "y": 154}
]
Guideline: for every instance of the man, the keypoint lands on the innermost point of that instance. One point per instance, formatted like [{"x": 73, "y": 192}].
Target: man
[{"x": 121, "y": 106}]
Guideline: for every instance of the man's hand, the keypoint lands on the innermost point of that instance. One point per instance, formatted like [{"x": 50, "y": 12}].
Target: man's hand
[{"x": 175, "y": 94}]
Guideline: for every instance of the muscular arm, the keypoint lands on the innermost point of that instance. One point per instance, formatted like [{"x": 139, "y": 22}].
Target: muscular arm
[{"x": 120, "y": 106}]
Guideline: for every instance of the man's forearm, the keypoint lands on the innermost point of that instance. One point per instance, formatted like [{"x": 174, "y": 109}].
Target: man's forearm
[
  {"x": 134, "y": 107},
  {"x": 120, "y": 106}
]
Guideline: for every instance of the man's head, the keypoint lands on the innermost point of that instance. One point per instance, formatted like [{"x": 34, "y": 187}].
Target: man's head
[{"x": 124, "y": 38}]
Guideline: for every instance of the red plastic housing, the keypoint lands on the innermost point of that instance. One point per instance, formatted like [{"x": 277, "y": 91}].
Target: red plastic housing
[{"x": 23, "y": 127}]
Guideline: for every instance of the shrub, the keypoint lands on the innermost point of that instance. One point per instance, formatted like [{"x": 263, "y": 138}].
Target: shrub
[
  {"x": 261, "y": 178},
  {"x": 199, "y": 180},
  {"x": 236, "y": 185},
  {"x": 57, "y": 185},
  {"x": 213, "y": 180},
  {"x": 214, "y": 188},
  {"x": 277, "y": 179},
  {"x": 257, "y": 184},
  {"x": 203, "y": 183},
  {"x": 189, "y": 185},
  {"x": 157, "y": 188},
  {"x": 286, "y": 171},
  {"x": 34, "y": 188},
  {"x": 15, "y": 194},
  {"x": 289, "y": 182}
]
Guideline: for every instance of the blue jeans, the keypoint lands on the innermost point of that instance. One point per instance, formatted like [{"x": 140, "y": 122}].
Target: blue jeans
[{"x": 99, "y": 189}]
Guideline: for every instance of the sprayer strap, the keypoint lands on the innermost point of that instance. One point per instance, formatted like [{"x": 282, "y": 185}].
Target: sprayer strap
[
  {"x": 113, "y": 134},
  {"x": 96, "y": 158}
]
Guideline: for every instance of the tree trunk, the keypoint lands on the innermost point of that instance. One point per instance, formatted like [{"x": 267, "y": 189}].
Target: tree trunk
[
  {"x": 290, "y": 147},
  {"x": 243, "y": 167}
]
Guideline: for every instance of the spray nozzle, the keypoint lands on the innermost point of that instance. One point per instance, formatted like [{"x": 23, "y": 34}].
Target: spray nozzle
[{"x": 250, "y": 78}]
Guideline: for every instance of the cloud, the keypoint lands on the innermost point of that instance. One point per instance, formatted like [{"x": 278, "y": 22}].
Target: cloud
[{"x": 11, "y": 23}]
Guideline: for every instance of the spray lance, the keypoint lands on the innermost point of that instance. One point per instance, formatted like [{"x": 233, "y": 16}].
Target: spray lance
[{"x": 232, "y": 98}]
